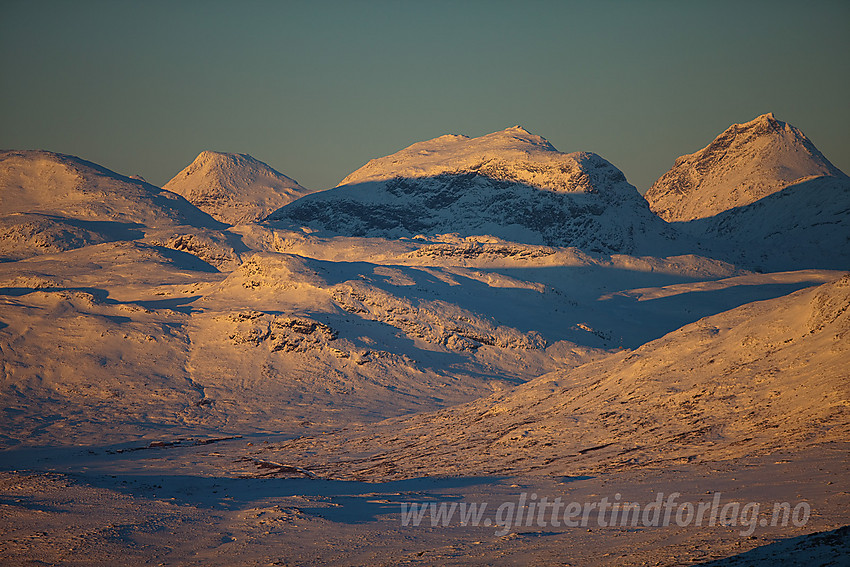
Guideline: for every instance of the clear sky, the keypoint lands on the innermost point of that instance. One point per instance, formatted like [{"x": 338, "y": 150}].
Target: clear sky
[{"x": 317, "y": 88}]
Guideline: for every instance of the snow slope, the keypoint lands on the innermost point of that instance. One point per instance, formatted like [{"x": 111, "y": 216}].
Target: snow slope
[
  {"x": 762, "y": 377},
  {"x": 53, "y": 202},
  {"x": 530, "y": 296},
  {"x": 234, "y": 188},
  {"x": 171, "y": 322},
  {"x": 37, "y": 181},
  {"x": 155, "y": 342},
  {"x": 804, "y": 225},
  {"x": 745, "y": 163},
  {"x": 511, "y": 184}
]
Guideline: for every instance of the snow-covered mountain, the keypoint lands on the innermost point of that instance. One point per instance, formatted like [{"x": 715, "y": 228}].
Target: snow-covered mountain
[
  {"x": 511, "y": 184},
  {"x": 40, "y": 182},
  {"x": 53, "y": 202},
  {"x": 234, "y": 188},
  {"x": 760, "y": 195},
  {"x": 745, "y": 163},
  {"x": 765, "y": 376},
  {"x": 542, "y": 317}
]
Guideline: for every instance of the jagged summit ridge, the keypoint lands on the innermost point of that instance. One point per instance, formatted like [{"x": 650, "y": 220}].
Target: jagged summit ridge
[
  {"x": 234, "y": 188},
  {"x": 745, "y": 163}
]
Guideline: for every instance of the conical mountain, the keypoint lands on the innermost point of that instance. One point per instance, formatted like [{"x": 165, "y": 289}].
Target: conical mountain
[
  {"x": 234, "y": 188},
  {"x": 760, "y": 195},
  {"x": 511, "y": 184},
  {"x": 745, "y": 163}
]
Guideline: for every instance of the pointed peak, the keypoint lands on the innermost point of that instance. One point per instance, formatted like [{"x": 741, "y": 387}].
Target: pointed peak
[
  {"x": 745, "y": 163},
  {"x": 234, "y": 188}
]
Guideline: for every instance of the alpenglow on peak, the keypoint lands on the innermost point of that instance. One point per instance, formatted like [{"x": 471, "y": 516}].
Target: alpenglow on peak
[{"x": 745, "y": 163}]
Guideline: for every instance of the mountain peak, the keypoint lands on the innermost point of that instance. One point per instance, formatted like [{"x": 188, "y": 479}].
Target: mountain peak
[
  {"x": 510, "y": 184},
  {"x": 234, "y": 188},
  {"x": 745, "y": 163},
  {"x": 458, "y": 154}
]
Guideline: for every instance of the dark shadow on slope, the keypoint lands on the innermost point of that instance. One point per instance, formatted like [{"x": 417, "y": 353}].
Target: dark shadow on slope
[
  {"x": 114, "y": 230},
  {"x": 98, "y": 295},
  {"x": 349, "y": 502},
  {"x": 572, "y": 298},
  {"x": 654, "y": 318},
  {"x": 805, "y": 225},
  {"x": 514, "y": 307},
  {"x": 181, "y": 304},
  {"x": 101, "y": 296},
  {"x": 822, "y": 548},
  {"x": 185, "y": 260},
  {"x": 608, "y": 218}
]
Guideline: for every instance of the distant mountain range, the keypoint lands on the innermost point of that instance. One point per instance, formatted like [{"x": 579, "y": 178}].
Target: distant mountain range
[
  {"x": 452, "y": 269},
  {"x": 759, "y": 195}
]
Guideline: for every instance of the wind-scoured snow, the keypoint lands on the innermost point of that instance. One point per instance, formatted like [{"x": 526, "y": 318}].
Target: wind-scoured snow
[{"x": 234, "y": 188}]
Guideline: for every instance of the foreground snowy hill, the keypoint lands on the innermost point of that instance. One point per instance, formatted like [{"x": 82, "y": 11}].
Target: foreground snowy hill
[
  {"x": 745, "y": 163},
  {"x": 234, "y": 188},
  {"x": 511, "y": 184},
  {"x": 765, "y": 376}
]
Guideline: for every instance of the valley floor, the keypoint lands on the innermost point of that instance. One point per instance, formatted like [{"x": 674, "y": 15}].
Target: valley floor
[{"x": 200, "y": 504}]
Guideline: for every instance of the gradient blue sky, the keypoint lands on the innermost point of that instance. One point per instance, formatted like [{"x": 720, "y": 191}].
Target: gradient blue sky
[{"x": 316, "y": 89}]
